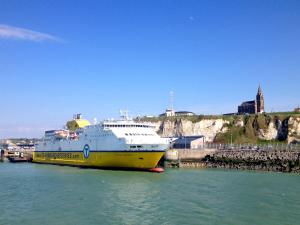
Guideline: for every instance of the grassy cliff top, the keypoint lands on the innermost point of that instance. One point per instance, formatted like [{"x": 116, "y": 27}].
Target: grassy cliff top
[
  {"x": 193, "y": 119},
  {"x": 231, "y": 118}
]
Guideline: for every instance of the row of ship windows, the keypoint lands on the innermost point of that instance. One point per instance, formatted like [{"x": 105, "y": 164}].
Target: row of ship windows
[
  {"x": 109, "y": 134},
  {"x": 136, "y": 146},
  {"x": 101, "y": 135},
  {"x": 135, "y": 134}
]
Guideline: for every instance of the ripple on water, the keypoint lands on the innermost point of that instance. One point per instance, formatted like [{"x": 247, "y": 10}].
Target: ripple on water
[{"x": 44, "y": 194}]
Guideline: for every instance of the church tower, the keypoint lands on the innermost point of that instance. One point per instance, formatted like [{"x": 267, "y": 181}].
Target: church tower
[{"x": 260, "y": 101}]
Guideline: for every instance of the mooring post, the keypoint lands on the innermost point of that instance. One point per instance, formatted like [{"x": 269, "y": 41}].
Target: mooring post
[{"x": 1, "y": 155}]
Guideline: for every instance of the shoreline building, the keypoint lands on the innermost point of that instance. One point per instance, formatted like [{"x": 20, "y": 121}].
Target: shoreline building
[
  {"x": 171, "y": 112},
  {"x": 254, "y": 106},
  {"x": 189, "y": 142}
]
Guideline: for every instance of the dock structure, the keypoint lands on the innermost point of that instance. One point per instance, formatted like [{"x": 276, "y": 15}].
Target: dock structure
[
  {"x": 20, "y": 156},
  {"x": 187, "y": 157},
  {"x": 16, "y": 152},
  {"x": 189, "y": 142},
  {"x": 1, "y": 155}
]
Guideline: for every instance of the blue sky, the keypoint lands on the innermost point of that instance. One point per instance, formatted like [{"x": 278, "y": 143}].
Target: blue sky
[{"x": 58, "y": 58}]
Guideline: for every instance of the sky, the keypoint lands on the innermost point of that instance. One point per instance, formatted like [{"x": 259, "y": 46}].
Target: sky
[{"x": 58, "y": 58}]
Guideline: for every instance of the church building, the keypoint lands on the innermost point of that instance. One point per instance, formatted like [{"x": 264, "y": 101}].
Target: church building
[{"x": 255, "y": 106}]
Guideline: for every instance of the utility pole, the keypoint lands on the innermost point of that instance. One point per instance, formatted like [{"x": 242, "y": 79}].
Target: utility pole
[{"x": 172, "y": 100}]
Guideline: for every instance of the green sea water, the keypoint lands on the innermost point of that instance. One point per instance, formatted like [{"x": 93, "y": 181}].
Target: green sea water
[{"x": 36, "y": 194}]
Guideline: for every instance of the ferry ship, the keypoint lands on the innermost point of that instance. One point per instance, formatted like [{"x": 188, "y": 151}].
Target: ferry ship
[{"x": 124, "y": 144}]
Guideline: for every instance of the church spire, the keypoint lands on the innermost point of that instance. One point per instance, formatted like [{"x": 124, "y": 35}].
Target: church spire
[
  {"x": 259, "y": 90},
  {"x": 260, "y": 101}
]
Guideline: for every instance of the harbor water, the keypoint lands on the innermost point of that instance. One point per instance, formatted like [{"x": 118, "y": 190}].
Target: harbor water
[{"x": 47, "y": 194}]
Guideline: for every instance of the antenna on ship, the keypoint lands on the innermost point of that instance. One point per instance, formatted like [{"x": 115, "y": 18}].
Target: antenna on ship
[
  {"x": 77, "y": 116},
  {"x": 139, "y": 117},
  {"x": 95, "y": 121},
  {"x": 124, "y": 114},
  {"x": 171, "y": 100}
]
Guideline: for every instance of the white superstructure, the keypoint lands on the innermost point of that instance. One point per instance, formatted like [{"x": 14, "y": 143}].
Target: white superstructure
[{"x": 109, "y": 135}]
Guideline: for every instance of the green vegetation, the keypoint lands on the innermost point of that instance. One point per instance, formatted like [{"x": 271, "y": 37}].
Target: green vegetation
[
  {"x": 293, "y": 113},
  {"x": 193, "y": 119},
  {"x": 249, "y": 132},
  {"x": 234, "y": 134},
  {"x": 271, "y": 142},
  {"x": 263, "y": 119},
  {"x": 284, "y": 115}
]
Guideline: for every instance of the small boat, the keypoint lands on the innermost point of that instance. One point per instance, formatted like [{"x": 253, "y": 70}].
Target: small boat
[{"x": 18, "y": 158}]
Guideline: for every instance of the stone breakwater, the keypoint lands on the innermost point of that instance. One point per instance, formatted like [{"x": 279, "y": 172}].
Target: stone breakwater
[{"x": 266, "y": 160}]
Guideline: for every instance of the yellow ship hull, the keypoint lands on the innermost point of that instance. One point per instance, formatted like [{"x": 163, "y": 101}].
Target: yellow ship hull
[{"x": 112, "y": 159}]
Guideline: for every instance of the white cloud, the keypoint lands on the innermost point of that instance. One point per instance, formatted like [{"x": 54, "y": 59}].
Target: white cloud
[
  {"x": 10, "y": 32},
  {"x": 191, "y": 18}
]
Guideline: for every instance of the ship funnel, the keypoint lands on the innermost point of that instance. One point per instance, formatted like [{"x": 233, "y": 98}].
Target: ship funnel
[{"x": 77, "y": 123}]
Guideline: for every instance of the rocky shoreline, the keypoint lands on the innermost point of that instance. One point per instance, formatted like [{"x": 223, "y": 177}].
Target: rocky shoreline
[
  {"x": 278, "y": 161},
  {"x": 269, "y": 160}
]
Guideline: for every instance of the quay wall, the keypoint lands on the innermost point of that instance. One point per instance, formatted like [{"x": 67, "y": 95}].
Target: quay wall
[
  {"x": 187, "y": 158},
  {"x": 190, "y": 154}
]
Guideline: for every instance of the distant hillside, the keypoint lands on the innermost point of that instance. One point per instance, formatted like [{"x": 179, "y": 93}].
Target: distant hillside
[{"x": 20, "y": 140}]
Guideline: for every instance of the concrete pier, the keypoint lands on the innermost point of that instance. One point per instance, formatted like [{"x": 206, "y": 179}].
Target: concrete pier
[{"x": 186, "y": 158}]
